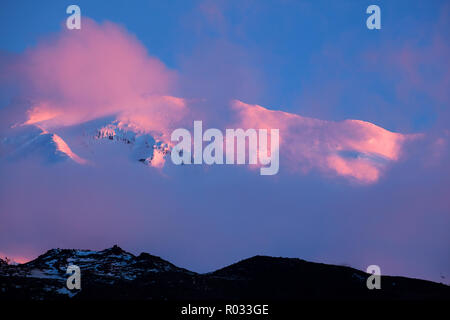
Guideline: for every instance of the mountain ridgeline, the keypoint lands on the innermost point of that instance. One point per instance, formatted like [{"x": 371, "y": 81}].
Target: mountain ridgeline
[{"x": 119, "y": 275}]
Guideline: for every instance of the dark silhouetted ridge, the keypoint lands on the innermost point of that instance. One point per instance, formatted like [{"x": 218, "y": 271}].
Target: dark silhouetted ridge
[{"x": 114, "y": 273}]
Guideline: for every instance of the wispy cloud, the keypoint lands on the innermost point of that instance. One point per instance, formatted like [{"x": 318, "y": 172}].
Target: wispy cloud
[{"x": 100, "y": 70}]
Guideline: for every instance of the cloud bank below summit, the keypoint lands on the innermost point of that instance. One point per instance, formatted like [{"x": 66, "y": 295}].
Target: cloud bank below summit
[{"x": 102, "y": 70}]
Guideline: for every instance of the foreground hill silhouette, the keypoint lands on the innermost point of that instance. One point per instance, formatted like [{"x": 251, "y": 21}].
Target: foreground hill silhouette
[{"x": 116, "y": 274}]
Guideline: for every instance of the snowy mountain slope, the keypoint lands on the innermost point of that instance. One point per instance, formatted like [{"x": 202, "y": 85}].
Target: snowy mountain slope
[
  {"x": 111, "y": 263},
  {"x": 25, "y": 141},
  {"x": 34, "y": 141},
  {"x": 144, "y": 147},
  {"x": 104, "y": 267}
]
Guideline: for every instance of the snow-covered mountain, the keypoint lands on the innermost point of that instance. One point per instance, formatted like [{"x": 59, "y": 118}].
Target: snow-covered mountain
[
  {"x": 99, "y": 268},
  {"x": 112, "y": 263},
  {"x": 35, "y": 141},
  {"x": 144, "y": 147},
  {"x": 25, "y": 141}
]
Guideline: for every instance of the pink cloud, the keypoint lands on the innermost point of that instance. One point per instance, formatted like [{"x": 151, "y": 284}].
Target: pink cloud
[
  {"x": 354, "y": 149},
  {"x": 100, "y": 70}
]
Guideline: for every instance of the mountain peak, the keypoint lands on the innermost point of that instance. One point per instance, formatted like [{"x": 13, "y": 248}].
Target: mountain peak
[{"x": 115, "y": 249}]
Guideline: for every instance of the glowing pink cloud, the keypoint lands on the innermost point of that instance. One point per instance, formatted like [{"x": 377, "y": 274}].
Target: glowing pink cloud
[
  {"x": 353, "y": 149},
  {"x": 97, "y": 71},
  {"x": 158, "y": 116}
]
